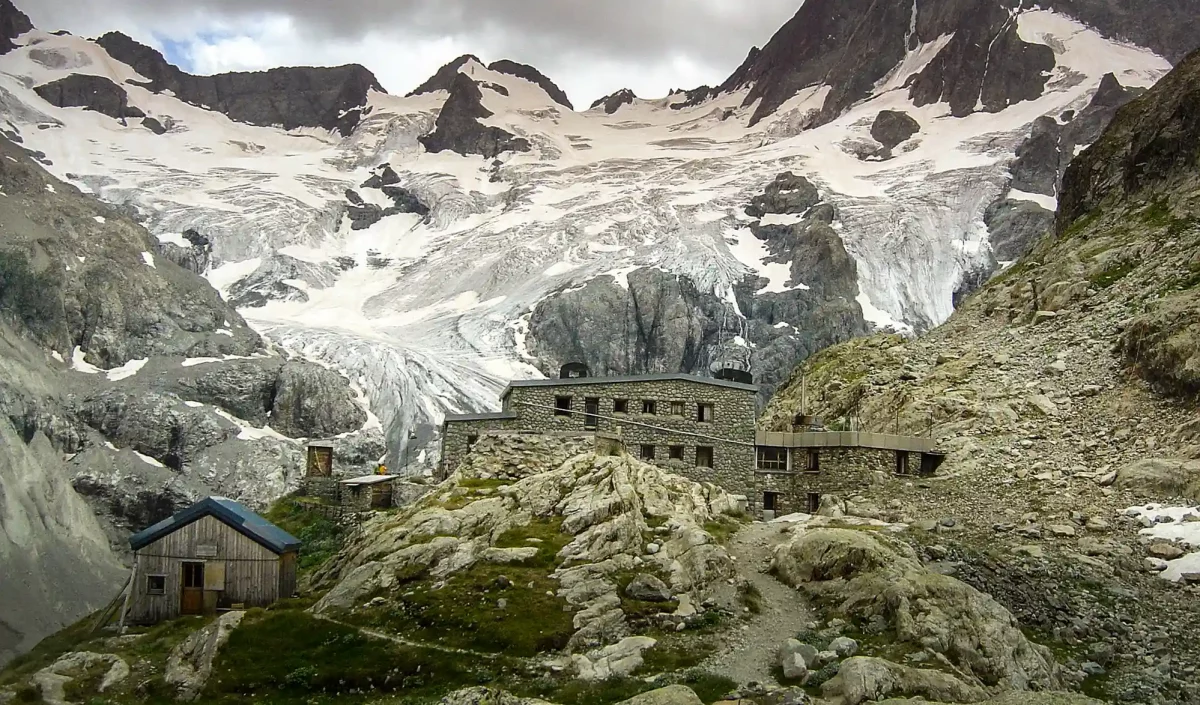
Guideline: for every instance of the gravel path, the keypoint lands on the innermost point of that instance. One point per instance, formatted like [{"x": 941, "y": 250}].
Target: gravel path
[{"x": 749, "y": 653}]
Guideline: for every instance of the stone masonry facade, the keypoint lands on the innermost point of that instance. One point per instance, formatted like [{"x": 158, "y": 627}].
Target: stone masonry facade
[
  {"x": 702, "y": 429},
  {"x": 817, "y": 473}
]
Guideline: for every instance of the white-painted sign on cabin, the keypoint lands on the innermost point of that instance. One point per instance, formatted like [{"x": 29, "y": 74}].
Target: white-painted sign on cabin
[{"x": 212, "y": 555}]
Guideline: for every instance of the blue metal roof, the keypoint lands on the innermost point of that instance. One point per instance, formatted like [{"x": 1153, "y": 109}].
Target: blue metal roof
[{"x": 236, "y": 515}]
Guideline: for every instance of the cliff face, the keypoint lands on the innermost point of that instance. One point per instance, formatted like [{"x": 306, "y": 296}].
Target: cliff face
[
  {"x": 985, "y": 65},
  {"x": 330, "y": 98},
  {"x": 13, "y": 23}
]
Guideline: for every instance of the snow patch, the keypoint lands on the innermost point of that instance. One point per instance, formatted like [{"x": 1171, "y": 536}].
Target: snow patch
[
  {"x": 1050, "y": 203},
  {"x": 127, "y": 370},
  {"x": 79, "y": 364},
  {"x": 1171, "y": 523},
  {"x": 149, "y": 260},
  {"x": 148, "y": 460},
  {"x": 174, "y": 239},
  {"x": 99, "y": 219}
]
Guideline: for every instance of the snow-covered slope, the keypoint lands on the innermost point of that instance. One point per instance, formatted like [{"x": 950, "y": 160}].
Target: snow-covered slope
[{"x": 430, "y": 312}]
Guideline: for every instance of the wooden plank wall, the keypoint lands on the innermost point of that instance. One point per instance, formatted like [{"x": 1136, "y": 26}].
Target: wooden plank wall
[{"x": 252, "y": 572}]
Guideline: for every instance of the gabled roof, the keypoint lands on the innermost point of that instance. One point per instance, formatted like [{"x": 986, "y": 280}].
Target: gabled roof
[
  {"x": 235, "y": 515},
  {"x": 679, "y": 377}
]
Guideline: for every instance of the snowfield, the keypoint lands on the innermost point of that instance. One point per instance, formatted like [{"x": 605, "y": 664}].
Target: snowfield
[{"x": 431, "y": 317}]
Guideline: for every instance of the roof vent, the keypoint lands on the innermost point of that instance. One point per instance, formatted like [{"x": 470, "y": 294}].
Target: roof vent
[
  {"x": 735, "y": 374},
  {"x": 573, "y": 370}
]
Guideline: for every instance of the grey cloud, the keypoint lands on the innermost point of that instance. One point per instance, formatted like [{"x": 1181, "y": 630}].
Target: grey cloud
[{"x": 552, "y": 35}]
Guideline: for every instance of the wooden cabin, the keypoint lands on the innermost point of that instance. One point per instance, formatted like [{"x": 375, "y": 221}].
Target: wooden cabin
[{"x": 215, "y": 554}]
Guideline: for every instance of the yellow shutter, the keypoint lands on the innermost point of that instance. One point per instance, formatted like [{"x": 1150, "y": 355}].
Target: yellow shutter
[{"x": 214, "y": 575}]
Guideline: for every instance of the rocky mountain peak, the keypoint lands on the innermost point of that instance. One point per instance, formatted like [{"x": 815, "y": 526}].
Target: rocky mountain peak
[
  {"x": 458, "y": 128},
  {"x": 982, "y": 63},
  {"x": 444, "y": 78},
  {"x": 614, "y": 101},
  {"x": 1152, "y": 141},
  {"x": 532, "y": 75},
  {"x": 327, "y": 97},
  {"x": 13, "y": 23}
]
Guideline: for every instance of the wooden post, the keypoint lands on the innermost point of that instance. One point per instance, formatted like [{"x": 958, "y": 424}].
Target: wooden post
[{"x": 128, "y": 595}]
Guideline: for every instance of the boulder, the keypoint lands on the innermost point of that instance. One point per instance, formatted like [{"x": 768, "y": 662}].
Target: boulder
[
  {"x": 190, "y": 663},
  {"x": 52, "y": 680},
  {"x": 1161, "y": 477},
  {"x": 648, "y": 589},
  {"x": 844, "y": 646},
  {"x": 874, "y": 577},
  {"x": 671, "y": 695},
  {"x": 892, "y": 127},
  {"x": 861, "y": 679},
  {"x": 480, "y": 695},
  {"x": 1165, "y": 551}
]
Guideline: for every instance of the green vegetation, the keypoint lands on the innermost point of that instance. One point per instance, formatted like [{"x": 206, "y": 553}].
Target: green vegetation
[
  {"x": 511, "y": 609},
  {"x": 302, "y": 517},
  {"x": 33, "y": 298},
  {"x": 750, "y": 597},
  {"x": 474, "y": 483},
  {"x": 1112, "y": 274},
  {"x": 297, "y": 656},
  {"x": 723, "y": 528}
]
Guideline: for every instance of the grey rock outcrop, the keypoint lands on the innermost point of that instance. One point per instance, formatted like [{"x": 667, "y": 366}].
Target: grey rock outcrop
[
  {"x": 665, "y": 323},
  {"x": 52, "y": 545},
  {"x": 159, "y": 425},
  {"x": 196, "y": 257},
  {"x": 275, "y": 277},
  {"x": 648, "y": 588},
  {"x": 670, "y": 695},
  {"x": 331, "y": 98},
  {"x": 788, "y": 194},
  {"x": 458, "y": 128},
  {"x": 1015, "y": 226},
  {"x": 862, "y": 678},
  {"x": 97, "y": 284},
  {"x": 311, "y": 401},
  {"x": 894, "y": 127},
  {"x": 1161, "y": 477},
  {"x": 154, "y": 126},
  {"x": 95, "y": 93},
  {"x": 51, "y": 681},
  {"x": 13, "y": 23},
  {"x": 296, "y": 398},
  {"x": 191, "y": 662},
  {"x": 613, "y": 102},
  {"x": 871, "y": 578},
  {"x": 532, "y": 75},
  {"x": 444, "y": 78}
]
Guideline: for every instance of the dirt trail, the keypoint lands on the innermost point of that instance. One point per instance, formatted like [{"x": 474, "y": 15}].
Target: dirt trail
[{"x": 749, "y": 652}]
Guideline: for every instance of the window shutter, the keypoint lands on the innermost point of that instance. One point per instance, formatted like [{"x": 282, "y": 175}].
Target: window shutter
[{"x": 214, "y": 575}]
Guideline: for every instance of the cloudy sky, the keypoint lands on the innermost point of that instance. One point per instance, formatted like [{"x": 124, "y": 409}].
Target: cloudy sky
[{"x": 589, "y": 47}]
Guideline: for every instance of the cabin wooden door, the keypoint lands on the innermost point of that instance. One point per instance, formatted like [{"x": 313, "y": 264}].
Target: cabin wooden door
[{"x": 191, "y": 595}]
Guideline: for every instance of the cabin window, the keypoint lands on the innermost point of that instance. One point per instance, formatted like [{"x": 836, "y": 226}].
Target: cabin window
[
  {"x": 156, "y": 584},
  {"x": 591, "y": 411},
  {"x": 620, "y": 406},
  {"x": 676, "y": 408},
  {"x": 813, "y": 503},
  {"x": 704, "y": 456},
  {"x": 770, "y": 501},
  {"x": 647, "y": 452},
  {"x": 704, "y": 413},
  {"x": 773, "y": 459},
  {"x": 472, "y": 440},
  {"x": 813, "y": 462},
  {"x": 649, "y": 406},
  {"x": 901, "y": 462},
  {"x": 676, "y": 452},
  {"x": 562, "y": 406},
  {"x": 193, "y": 574}
]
